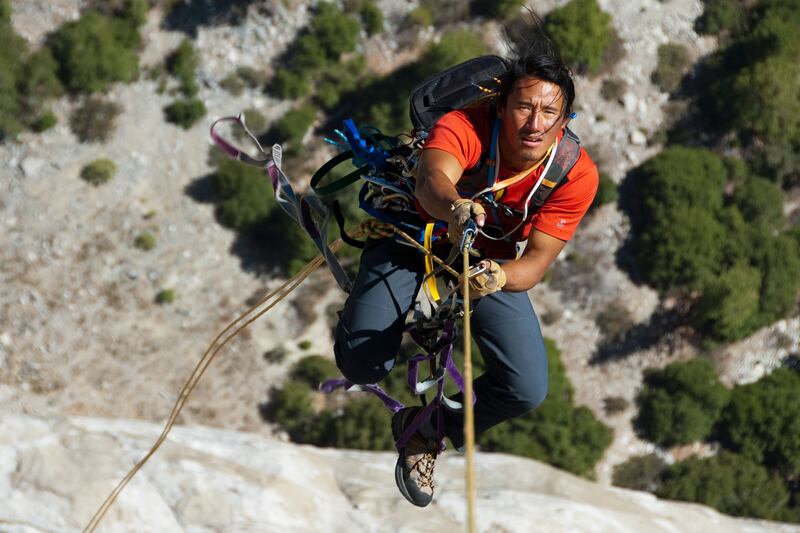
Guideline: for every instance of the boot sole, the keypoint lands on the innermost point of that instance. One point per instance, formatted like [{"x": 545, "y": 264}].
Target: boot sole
[{"x": 399, "y": 467}]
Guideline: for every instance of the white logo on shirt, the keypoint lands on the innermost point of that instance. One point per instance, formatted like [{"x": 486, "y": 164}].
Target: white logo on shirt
[{"x": 561, "y": 223}]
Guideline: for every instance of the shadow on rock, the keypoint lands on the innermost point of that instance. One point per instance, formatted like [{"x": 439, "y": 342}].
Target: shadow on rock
[
  {"x": 202, "y": 190},
  {"x": 666, "y": 328},
  {"x": 190, "y": 15}
]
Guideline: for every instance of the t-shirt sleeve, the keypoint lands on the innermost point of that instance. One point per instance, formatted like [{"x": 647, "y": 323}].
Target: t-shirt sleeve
[
  {"x": 562, "y": 212},
  {"x": 456, "y": 133}
]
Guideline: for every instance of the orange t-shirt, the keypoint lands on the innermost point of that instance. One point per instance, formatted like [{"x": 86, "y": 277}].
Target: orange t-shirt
[{"x": 466, "y": 134}]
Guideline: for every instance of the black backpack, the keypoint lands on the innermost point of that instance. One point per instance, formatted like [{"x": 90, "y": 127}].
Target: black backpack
[{"x": 458, "y": 87}]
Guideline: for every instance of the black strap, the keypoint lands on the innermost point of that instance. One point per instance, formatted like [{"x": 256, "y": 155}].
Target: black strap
[
  {"x": 339, "y": 216},
  {"x": 336, "y": 186}
]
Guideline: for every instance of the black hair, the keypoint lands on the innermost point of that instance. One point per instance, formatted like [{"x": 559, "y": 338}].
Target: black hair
[{"x": 533, "y": 54}]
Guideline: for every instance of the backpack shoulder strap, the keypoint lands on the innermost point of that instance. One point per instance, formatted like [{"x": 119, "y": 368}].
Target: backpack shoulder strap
[{"x": 567, "y": 153}]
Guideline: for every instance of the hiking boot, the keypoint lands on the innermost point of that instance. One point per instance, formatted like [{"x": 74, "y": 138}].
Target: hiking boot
[{"x": 413, "y": 472}]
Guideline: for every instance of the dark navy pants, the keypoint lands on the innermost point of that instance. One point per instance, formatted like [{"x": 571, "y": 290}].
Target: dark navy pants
[{"x": 503, "y": 324}]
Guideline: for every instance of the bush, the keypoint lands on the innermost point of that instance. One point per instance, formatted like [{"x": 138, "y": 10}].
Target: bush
[
  {"x": 165, "y": 296},
  {"x": 94, "y": 119},
  {"x": 607, "y": 191},
  {"x": 729, "y": 483},
  {"x": 233, "y": 84},
  {"x": 760, "y": 202},
  {"x": 294, "y": 125},
  {"x": 145, "y": 241},
  {"x": 421, "y": 16},
  {"x": 289, "y": 84},
  {"x": 245, "y": 195},
  {"x": 639, "y": 473},
  {"x": 762, "y": 422},
  {"x": 677, "y": 199},
  {"x": 314, "y": 370},
  {"x": 95, "y": 51},
  {"x": 44, "y": 122},
  {"x": 335, "y": 31},
  {"x": 255, "y": 121},
  {"x": 371, "y": 17},
  {"x": 729, "y": 304},
  {"x": 39, "y": 81},
  {"x": 253, "y": 78},
  {"x": 673, "y": 61},
  {"x": 582, "y": 32},
  {"x": 99, "y": 171},
  {"x": 612, "y": 89},
  {"x": 721, "y": 16},
  {"x": 304, "y": 344},
  {"x": 613, "y": 405},
  {"x": 680, "y": 403},
  {"x": 499, "y": 9},
  {"x": 614, "y": 321},
  {"x": 556, "y": 432},
  {"x": 290, "y": 407},
  {"x": 182, "y": 64},
  {"x": 185, "y": 113}
]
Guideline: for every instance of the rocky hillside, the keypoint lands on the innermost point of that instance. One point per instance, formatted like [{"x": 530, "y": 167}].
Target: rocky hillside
[
  {"x": 81, "y": 334},
  {"x": 54, "y": 473}
]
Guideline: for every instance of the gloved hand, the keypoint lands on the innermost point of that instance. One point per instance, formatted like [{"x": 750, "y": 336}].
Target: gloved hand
[
  {"x": 492, "y": 279},
  {"x": 461, "y": 212}
]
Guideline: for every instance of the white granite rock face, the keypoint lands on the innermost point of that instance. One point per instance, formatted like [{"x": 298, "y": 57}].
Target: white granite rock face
[{"x": 54, "y": 473}]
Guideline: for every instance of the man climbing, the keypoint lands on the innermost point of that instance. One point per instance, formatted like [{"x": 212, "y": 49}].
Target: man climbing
[{"x": 527, "y": 121}]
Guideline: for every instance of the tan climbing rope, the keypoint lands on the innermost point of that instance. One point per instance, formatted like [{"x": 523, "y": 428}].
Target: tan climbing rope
[
  {"x": 370, "y": 228},
  {"x": 469, "y": 422}
]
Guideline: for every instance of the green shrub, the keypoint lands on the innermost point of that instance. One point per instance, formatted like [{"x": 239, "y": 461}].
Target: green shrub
[
  {"x": 94, "y": 119},
  {"x": 289, "y": 84},
  {"x": 95, "y": 51},
  {"x": 364, "y": 424},
  {"x": 612, "y": 89},
  {"x": 762, "y": 422},
  {"x": 676, "y": 232},
  {"x": 314, "y": 370},
  {"x": 182, "y": 63},
  {"x": 421, "y": 16},
  {"x": 499, "y": 9},
  {"x": 39, "y": 80},
  {"x": 607, "y": 191},
  {"x": 721, "y": 16},
  {"x": 639, "y": 473},
  {"x": 145, "y": 241},
  {"x": 5, "y": 12},
  {"x": 673, "y": 61},
  {"x": 582, "y": 32},
  {"x": 614, "y": 321},
  {"x": 255, "y": 121},
  {"x": 293, "y": 126},
  {"x": 336, "y": 81},
  {"x": 304, "y": 344},
  {"x": 371, "y": 17},
  {"x": 185, "y": 113},
  {"x": 335, "y": 31},
  {"x": 165, "y": 296},
  {"x": 245, "y": 196},
  {"x": 729, "y": 304},
  {"x": 253, "y": 78},
  {"x": 613, "y": 405},
  {"x": 730, "y": 483},
  {"x": 760, "y": 202},
  {"x": 99, "y": 171},
  {"x": 680, "y": 403},
  {"x": 556, "y": 432},
  {"x": 233, "y": 84},
  {"x": 44, "y": 122},
  {"x": 290, "y": 407}
]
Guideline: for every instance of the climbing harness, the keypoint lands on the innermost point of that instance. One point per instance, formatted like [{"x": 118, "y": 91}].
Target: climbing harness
[{"x": 387, "y": 167}]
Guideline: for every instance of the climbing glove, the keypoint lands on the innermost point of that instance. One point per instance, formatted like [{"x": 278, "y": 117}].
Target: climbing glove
[
  {"x": 461, "y": 211},
  {"x": 492, "y": 279}
]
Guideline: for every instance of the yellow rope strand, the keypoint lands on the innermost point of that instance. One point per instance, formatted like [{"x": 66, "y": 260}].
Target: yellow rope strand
[
  {"x": 371, "y": 227},
  {"x": 281, "y": 292},
  {"x": 469, "y": 425}
]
